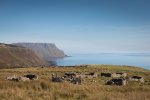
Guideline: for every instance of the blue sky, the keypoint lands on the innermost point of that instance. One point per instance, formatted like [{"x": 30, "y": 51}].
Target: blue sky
[{"x": 78, "y": 26}]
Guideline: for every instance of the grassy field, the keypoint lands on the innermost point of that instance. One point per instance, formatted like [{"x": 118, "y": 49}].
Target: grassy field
[{"x": 44, "y": 89}]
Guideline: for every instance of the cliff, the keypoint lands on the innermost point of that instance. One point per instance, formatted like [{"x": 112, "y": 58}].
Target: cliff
[
  {"x": 47, "y": 51},
  {"x": 14, "y": 56}
]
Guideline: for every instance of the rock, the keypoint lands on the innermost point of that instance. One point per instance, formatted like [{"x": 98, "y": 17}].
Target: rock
[
  {"x": 55, "y": 78},
  {"x": 136, "y": 78},
  {"x": 21, "y": 78},
  {"x": 118, "y": 81},
  {"x": 105, "y": 74},
  {"x": 31, "y": 76},
  {"x": 69, "y": 74},
  {"x": 13, "y": 78},
  {"x": 119, "y": 75},
  {"x": 91, "y": 75},
  {"x": 76, "y": 80}
]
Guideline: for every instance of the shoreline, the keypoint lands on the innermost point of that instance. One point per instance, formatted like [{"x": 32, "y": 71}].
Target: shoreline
[{"x": 80, "y": 66}]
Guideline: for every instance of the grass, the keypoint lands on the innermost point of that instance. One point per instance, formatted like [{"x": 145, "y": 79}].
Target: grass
[{"x": 44, "y": 89}]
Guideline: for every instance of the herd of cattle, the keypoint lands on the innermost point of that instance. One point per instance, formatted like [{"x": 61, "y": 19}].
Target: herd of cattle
[{"x": 77, "y": 78}]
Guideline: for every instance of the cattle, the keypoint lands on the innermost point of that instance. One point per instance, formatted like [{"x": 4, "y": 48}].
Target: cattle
[
  {"x": 31, "y": 76},
  {"x": 136, "y": 78},
  {"x": 117, "y": 81}
]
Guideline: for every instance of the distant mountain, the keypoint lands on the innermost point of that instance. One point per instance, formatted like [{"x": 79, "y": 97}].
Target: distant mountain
[
  {"x": 47, "y": 51},
  {"x": 14, "y": 56}
]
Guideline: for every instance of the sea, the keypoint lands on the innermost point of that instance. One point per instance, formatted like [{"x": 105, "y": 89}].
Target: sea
[{"x": 130, "y": 59}]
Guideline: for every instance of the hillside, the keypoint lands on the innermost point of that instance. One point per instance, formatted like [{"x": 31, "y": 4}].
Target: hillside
[
  {"x": 45, "y": 89},
  {"x": 13, "y": 56},
  {"x": 47, "y": 51}
]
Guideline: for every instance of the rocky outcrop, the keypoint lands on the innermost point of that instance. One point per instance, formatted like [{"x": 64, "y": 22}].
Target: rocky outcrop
[
  {"x": 47, "y": 51},
  {"x": 14, "y": 56}
]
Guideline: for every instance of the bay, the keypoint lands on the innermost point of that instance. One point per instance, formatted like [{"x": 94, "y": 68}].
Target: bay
[{"x": 129, "y": 59}]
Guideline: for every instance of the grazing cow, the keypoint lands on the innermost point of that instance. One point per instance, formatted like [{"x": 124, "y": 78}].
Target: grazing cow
[
  {"x": 137, "y": 78},
  {"x": 56, "y": 78},
  {"x": 118, "y": 81},
  {"x": 31, "y": 76},
  {"x": 106, "y": 74}
]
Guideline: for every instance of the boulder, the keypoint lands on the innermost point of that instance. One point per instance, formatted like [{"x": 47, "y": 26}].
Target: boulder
[
  {"x": 13, "y": 78},
  {"x": 76, "y": 80},
  {"x": 31, "y": 76},
  {"x": 119, "y": 74},
  {"x": 118, "y": 81},
  {"x": 55, "y": 78},
  {"x": 21, "y": 78},
  {"x": 105, "y": 74},
  {"x": 136, "y": 78}
]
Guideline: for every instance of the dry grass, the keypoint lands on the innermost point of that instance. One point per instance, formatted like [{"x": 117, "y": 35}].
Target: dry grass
[{"x": 44, "y": 89}]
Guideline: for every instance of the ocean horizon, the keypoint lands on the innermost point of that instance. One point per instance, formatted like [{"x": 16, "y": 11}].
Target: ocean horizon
[{"x": 128, "y": 59}]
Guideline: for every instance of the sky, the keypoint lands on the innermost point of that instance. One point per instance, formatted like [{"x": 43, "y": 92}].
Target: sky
[{"x": 78, "y": 26}]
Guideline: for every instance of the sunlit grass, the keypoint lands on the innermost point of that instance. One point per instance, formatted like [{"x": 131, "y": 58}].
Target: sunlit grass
[{"x": 44, "y": 89}]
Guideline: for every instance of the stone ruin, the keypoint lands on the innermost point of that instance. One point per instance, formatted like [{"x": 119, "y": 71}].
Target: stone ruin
[
  {"x": 119, "y": 75},
  {"x": 117, "y": 81},
  {"x": 136, "y": 78},
  {"x": 27, "y": 77},
  {"x": 31, "y": 76},
  {"x": 69, "y": 74},
  {"x": 76, "y": 80},
  {"x": 68, "y": 77},
  {"x": 115, "y": 75},
  {"x": 91, "y": 75},
  {"x": 12, "y": 78},
  {"x": 105, "y": 74},
  {"x": 55, "y": 78}
]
